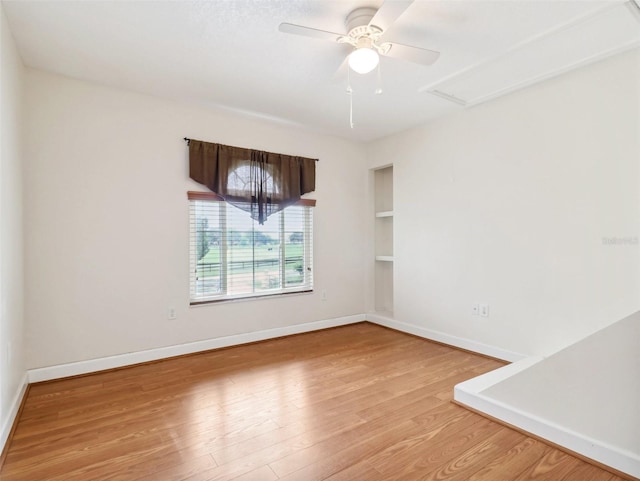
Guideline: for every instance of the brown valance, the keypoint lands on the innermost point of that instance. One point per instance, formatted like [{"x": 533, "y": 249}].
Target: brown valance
[{"x": 258, "y": 182}]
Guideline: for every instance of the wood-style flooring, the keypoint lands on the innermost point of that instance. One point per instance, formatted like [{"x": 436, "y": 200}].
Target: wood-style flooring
[{"x": 359, "y": 402}]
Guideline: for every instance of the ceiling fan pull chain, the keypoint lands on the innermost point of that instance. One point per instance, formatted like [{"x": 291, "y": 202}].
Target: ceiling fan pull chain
[
  {"x": 350, "y": 93},
  {"x": 351, "y": 109}
]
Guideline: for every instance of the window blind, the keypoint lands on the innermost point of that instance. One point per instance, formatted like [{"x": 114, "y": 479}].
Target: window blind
[{"x": 233, "y": 256}]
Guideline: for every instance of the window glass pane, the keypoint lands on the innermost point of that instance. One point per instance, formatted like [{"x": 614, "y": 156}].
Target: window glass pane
[
  {"x": 207, "y": 245},
  {"x": 294, "y": 246},
  {"x": 232, "y": 256},
  {"x": 267, "y": 254},
  {"x": 239, "y": 251},
  {"x": 240, "y": 180},
  {"x": 253, "y": 253}
]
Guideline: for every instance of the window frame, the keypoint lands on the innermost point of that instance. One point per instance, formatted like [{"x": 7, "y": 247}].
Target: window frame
[{"x": 308, "y": 247}]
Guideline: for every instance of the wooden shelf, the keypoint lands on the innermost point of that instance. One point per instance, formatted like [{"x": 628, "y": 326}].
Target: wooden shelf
[
  {"x": 384, "y": 258},
  {"x": 386, "y": 213}
]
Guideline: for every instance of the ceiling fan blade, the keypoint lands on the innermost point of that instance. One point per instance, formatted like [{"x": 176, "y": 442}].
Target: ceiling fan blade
[
  {"x": 340, "y": 76},
  {"x": 419, "y": 55},
  {"x": 309, "y": 32},
  {"x": 389, "y": 13}
]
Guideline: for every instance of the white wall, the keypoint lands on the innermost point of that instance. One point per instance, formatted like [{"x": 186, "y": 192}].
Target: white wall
[
  {"x": 12, "y": 365},
  {"x": 107, "y": 223},
  {"x": 508, "y": 203}
]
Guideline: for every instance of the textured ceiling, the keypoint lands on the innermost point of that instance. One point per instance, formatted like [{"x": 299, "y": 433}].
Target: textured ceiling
[{"x": 230, "y": 54}]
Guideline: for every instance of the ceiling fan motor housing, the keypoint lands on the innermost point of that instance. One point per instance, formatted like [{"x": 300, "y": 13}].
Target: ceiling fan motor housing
[{"x": 357, "y": 23}]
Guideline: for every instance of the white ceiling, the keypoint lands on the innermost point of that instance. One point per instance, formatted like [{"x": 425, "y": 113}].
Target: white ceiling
[{"x": 230, "y": 54}]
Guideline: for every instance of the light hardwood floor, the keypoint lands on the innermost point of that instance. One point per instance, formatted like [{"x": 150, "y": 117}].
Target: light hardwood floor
[{"x": 359, "y": 402}]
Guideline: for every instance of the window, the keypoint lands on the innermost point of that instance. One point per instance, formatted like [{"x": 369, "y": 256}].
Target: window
[{"x": 232, "y": 256}]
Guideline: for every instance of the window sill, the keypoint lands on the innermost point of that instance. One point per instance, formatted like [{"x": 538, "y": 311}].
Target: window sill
[{"x": 248, "y": 298}]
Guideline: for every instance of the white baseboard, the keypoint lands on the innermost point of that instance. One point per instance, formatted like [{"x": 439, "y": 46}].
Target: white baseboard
[
  {"x": 444, "y": 338},
  {"x": 469, "y": 393},
  {"x": 121, "y": 360},
  {"x": 7, "y": 423}
]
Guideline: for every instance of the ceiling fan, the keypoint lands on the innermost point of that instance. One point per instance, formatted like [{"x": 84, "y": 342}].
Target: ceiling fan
[{"x": 366, "y": 27}]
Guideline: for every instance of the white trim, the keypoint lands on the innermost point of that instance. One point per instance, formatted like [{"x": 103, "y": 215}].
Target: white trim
[
  {"x": 523, "y": 43},
  {"x": 433, "y": 88},
  {"x": 555, "y": 73},
  {"x": 446, "y": 96},
  {"x": 445, "y": 338},
  {"x": 121, "y": 360},
  {"x": 469, "y": 393},
  {"x": 7, "y": 423}
]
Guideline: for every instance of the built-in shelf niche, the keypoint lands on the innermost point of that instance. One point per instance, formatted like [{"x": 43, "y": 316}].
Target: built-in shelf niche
[
  {"x": 384, "y": 238},
  {"x": 383, "y": 271}
]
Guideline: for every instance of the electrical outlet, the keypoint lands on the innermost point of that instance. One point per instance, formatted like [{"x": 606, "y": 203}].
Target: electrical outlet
[
  {"x": 171, "y": 313},
  {"x": 484, "y": 310},
  {"x": 475, "y": 309}
]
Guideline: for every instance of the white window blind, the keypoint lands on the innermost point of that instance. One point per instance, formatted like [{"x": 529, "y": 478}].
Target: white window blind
[{"x": 232, "y": 256}]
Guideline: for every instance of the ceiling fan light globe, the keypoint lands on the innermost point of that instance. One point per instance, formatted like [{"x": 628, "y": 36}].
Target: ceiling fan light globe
[{"x": 363, "y": 60}]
